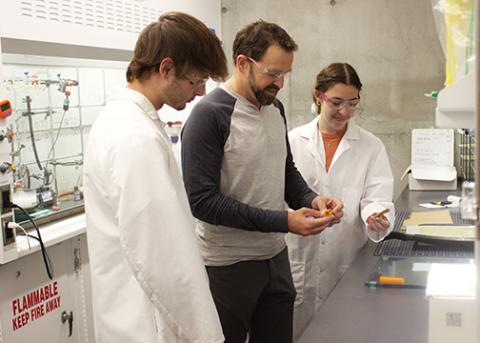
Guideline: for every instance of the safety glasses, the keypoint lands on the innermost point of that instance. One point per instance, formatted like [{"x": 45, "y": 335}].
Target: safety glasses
[
  {"x": 274, "y": 74},
  {"x": 338, "y": 103}
]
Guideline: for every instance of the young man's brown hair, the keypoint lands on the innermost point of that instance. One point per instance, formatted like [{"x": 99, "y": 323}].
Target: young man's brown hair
[{"x": 185, "y": 39}]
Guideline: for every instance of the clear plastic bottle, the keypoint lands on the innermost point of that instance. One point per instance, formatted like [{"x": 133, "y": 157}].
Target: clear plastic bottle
[
  {"x": 468, "y": 203},
  {"x": 77, "y": 196}
]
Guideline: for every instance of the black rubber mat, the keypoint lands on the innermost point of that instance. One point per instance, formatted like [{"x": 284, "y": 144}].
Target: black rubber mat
[{"x": 397, "y": 248}]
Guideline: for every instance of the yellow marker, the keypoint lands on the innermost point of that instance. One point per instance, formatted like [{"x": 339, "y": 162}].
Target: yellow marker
[
  {"x": 382, "y": 212},
  {"x": 390, "y": 280}
]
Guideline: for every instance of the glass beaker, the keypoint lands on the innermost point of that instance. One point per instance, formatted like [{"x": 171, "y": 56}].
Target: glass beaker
[{"x": 468, "y": 204}]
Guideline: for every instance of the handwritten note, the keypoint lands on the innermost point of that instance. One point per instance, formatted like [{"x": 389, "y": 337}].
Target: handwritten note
[
  {"x": 432, "y": 147},
  {"x": 432, "y": 155}
]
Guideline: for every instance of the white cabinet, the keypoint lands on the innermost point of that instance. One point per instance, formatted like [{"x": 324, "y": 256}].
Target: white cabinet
[{"x": 31, "y": 305}]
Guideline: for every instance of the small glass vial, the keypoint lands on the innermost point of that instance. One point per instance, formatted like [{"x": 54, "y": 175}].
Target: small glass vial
[
  {"x": 468, "y": 204},
  {"x": 77, "y": 196}
]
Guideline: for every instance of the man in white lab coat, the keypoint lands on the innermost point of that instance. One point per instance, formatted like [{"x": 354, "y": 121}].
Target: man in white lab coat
[
  {"x": 149, "y": 281},
  {"x": 338, "y": 158}
]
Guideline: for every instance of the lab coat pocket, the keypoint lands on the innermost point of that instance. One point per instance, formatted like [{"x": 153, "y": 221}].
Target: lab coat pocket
[{"x": 298, "y": 276}]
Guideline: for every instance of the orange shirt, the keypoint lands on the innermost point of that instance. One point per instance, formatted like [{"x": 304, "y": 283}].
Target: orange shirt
[{"x": 330, "y": 142}]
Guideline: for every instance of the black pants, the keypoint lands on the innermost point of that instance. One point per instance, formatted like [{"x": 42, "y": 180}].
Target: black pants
[{"x": 255, "y": 297}]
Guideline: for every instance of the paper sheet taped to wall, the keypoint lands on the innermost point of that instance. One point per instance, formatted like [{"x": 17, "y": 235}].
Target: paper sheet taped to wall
[{"x": 432, "y": 154}]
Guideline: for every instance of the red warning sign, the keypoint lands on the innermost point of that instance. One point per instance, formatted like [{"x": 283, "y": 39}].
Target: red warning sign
[{"x": 34, "y": 305}]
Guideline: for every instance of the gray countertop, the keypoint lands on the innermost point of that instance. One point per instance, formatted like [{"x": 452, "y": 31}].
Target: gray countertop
[
  {"x": 409, "y": 200},
  {"x": 354, "y": 313}
]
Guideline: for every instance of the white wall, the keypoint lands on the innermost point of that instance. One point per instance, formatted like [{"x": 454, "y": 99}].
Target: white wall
[{"x": 393, "y": 45}]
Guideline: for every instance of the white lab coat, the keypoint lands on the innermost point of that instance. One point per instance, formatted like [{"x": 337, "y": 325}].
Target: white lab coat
[
  {"x": 359, "y": 175},
  {"x": 149, "y": 282}
]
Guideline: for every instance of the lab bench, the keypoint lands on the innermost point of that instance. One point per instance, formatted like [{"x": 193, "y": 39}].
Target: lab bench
[{"x": 355, "y": 313}]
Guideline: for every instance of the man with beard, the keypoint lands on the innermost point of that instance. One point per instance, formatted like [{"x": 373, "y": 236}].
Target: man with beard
[
  {"x": 148, "y": 280},
  {"x": 238, "y": 172}
]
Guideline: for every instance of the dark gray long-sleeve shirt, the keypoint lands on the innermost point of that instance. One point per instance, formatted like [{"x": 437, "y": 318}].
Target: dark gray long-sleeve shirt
[{"x": 238, "y": 173}]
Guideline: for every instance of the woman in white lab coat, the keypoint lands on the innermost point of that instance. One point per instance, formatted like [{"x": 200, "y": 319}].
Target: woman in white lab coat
[{"x": 338, "y": 158}]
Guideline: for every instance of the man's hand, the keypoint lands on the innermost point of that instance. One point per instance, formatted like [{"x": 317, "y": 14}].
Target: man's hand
[
  {"x": 307, "y": 221},
  {"x": 329, "y": 207}
]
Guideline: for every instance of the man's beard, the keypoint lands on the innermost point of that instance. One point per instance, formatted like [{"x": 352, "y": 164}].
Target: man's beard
[{"x": 260, "y": 94}]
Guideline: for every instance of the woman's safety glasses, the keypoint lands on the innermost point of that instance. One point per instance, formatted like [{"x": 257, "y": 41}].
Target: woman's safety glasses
[{"x": 338, "y": 103}]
